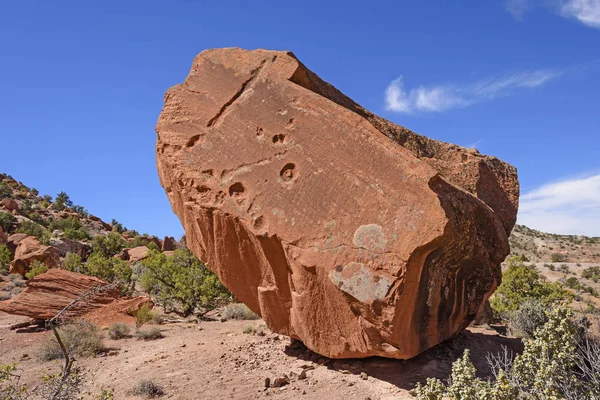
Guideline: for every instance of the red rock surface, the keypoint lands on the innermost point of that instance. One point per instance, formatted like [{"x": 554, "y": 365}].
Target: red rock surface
[
  {"x": 29, "y": 250},
  {"x": 9, "y": 204},
  {"x": 47, "y": 294},
  {"x": 341, "y": 229},
  {"x": 134, "y": 254},
  {"x": 120, "y": 310},
  {"x": 13, "y": 241},
  {"x": 168, "y": 244}
]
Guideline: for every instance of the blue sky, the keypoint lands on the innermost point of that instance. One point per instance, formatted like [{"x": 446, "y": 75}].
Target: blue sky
[{"x": 82, "y": 85}]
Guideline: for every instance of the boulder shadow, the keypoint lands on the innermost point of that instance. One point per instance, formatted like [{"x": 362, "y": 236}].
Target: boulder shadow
[{"x": 433, "y": 363}]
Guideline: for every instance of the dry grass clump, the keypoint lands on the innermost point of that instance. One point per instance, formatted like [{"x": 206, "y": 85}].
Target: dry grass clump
[
  {"x": 239, "y": 311},
  {"x": 79, "y": 337},
  {"x": 151, "y": 333},
  {"x": 148, "y": 389},
  {"x": 118, "y": 330}
]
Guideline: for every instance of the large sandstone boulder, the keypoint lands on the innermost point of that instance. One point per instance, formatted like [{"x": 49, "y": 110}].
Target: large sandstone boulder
[
  {"x": 341, "y": 229},
  {"x": 9, "y": 204},
  {"x": 168, "y": 244},
  {"x": 47, "y": 294},
  {"x": 29, "y": 250},
  {"x": 134, "y": 254}
]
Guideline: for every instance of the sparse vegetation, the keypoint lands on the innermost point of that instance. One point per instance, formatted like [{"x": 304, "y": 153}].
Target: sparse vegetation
[
  {"x": 521, "y": 282},
  {"x": 151, "y": 333},
  {"x": 71, "y": 227},
  {"x": 558, "y": 257},
  {"x": 143, "y": 315},
  {"x": 7, "y": 221},
  {"x": 118, "y": 330},
  {"x": 79, "y": 337},
  {"x": 5, "y": 259},
  {"x": 530, "y": 316},
  {"x": 181, "y": 283},
  {"x": 36, "y": 268},
  {"x": 591, "y": 273},
  {"x": 34, "y": 229},
  {"x": 148, "y": 389},
  {"x": 239, "y": 311}
]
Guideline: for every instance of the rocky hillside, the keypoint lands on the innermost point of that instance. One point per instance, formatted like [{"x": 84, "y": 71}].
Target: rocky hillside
[
  {"x": 538, "y": 246},
  {"x": 39, "y": 232}
]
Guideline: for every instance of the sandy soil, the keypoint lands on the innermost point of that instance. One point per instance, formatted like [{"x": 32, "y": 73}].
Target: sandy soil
[{"x": 216, "y": 360}]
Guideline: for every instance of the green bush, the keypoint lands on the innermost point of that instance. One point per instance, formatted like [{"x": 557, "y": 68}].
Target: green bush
[
  {"x": 143, "y": 315},
  {"x": 110, "y": 269},
  {"x": 72, "y": 262},
  {"x": 182, "y": 283},
  {"x": 33, "y": 229},
  {"x": 520, "y": 283},
  {"x": 558, "y": 257},
  {"x": 62, "y": 201},
  {"x": 36, "y": 268},
  {"x": 7, "y": 221},
  {"x": 80, "y": 338},
  {"x": 71, "y": 227},
  {"x": 573, "y": 283},
  {"x": 109, "y": 245},
  {"x": 239, "y": 311},
  {"x": 547, "y": 369},
  {"x": 5, "y": 190},
  {"x": 592, "y": 273},
  {"x": 5, "y": 259}
]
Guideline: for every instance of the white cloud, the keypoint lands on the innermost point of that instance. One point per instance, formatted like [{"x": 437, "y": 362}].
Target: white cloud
[
  {"x": 448, "y": 96},
  {"x": 586, "y": 11},
  {"x": 567, "y": 207}
]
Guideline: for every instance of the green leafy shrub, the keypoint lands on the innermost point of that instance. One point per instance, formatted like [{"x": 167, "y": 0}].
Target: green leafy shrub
[
  {"x": 37, "y": 218},
  {"x": 62, "y": 201},
  {"x": 5, "y": 190},
  {"x": 72, "y": 262},
  {"x": 33, "y": 229},
  {"x": 521, "y": 282},
  {"x": 110, "y": 269},
  {"x": 573, "y": 283},
  {"x": 5, "y": 259},
  {"x": 182, "y": 283},
  {"x": 71, "y": 227},
  {"x": 109, "y": 245},
  {"x": 36, "y": 268},
  {"x": 79, "y": 337},
  {"x": 239, "y": 311},
  {"x": 143, "y": 315},
  {"x": 547, "y": 369},
  {"x": 558, "y": 257},
  {"x": 118, "y": 330},
  {"x": 7, "y": 221},
  {"x": 592, "y": 273}
]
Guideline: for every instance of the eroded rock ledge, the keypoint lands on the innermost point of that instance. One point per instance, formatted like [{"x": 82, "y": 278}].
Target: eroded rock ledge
[{"x": 341, "y": 229}]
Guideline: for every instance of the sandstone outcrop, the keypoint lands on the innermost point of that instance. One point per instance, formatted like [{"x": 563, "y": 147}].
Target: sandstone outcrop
[
  {"x": 30, "y": 249},
  {"x": 134, "y": 254},
  {"x": 340, "y": 228},
  {"x": 168, "y": 244},
  {"x": 47, "y": 294},
  {"x": 9, "y": 204}
]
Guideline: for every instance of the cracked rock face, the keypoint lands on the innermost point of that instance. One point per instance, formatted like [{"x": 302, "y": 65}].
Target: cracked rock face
[{"x": 341, "y": 229}]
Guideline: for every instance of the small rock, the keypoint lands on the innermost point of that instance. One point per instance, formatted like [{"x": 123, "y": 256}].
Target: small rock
[
  {"x": 363, "y": 376},
  {"x": 112, "y": 353},
  {"x": 302, "y": 375},
  {"x": 267, "y": 382},
  {"x": 183, "y": 345},
  {"x": 282, "y": 381}
]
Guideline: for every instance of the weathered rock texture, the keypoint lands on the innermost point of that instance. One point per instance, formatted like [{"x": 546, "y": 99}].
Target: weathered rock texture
[
  {"x": 340, "y": 228},
  {"x": 29, "y": 250},
  {"x": 48, "y": 293}
]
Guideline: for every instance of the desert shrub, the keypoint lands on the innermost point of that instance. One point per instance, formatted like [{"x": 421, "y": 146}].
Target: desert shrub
[
  {"x": 81, "y": 211},
  {"x": 118, "y": 330},
  {"x": 143, "y": 315},
  {"x": 148, "y": 389},
  {"x": 7, "y": 221},
  {"x": 71, "y": 227},
  {"x": 151, "y": 333},
  {"x": 37, "y": 218},
  {"x": 248, "y": 329},
  {"x": 10, "y": 388},
  {"x": 182, "y": 283},
  {"x": 592, "y": 273},
  {"x": 527, "y": 318},
  {"x": 34, "y": 229},
  {"x": 239, "y": 311},
  {"x": 110, "y": 269},
  {"x": 79, "y": 337},
  {"x": 36, "y": 268},
  {"x": 558, "y": 257},
  {"x": 573, "y": 283},
  {"x": 547, "y": 369},
  {"x": 5, "y": 190},
  {"x": 564, "y": 268},
  {"x": 109, "y": 245},
  {"x": 117, "y": 226},
  {"x": 72, "y": 262},
  {"x": 520, "y": 283},
  {"x": 62, "y": 201},
  {"x": 5, "y": 259},
  {"x": 55, "y": 386}
]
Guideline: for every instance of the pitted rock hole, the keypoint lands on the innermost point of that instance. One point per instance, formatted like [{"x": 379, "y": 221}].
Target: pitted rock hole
[
  {"x": 288, "y": 172},
  {"x": 360, "y": 282},
  {"x": 237, "y": 189},
  {"x": 370, "y": 237}
]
